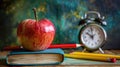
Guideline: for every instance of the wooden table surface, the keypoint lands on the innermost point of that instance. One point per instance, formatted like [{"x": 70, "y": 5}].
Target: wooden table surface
[{"x": 70, "y": 62}]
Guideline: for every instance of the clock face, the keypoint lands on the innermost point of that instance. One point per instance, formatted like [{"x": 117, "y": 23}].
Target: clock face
[{"x": 93, "y": 36}]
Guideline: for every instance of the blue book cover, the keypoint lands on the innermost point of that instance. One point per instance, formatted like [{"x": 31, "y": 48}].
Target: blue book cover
[{"x": 45, "y": 57}]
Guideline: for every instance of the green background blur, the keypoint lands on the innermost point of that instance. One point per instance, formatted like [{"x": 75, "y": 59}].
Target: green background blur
[{"x": 65, "y": 15}]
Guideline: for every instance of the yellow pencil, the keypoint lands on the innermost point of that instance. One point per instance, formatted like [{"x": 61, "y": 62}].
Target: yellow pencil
[
  {"x": 98, "y": 55},
  {"x": 90, "y": 57}
]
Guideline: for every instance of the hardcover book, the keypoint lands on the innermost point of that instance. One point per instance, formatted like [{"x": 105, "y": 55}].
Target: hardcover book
[{"x": 45, "y": 57}]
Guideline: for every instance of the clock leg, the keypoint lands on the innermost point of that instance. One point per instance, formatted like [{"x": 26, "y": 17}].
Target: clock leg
[
  {"x": 100, "y": 49},
  {"x": 84, "y": 50}
]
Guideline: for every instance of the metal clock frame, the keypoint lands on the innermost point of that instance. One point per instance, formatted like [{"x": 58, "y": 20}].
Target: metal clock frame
[{"x": 102, "y": 29}]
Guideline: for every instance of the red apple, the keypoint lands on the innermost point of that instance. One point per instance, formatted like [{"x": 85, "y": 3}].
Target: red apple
[{"x": 35, "y": 34}]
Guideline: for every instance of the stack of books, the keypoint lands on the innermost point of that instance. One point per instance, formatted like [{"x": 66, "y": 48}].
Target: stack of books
[
  {"x": 53, "y": 55},
  {"x": 45, "y": 57}
]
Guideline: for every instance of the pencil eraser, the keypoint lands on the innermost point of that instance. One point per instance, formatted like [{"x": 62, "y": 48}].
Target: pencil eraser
[{"x": 113, "y": 60}]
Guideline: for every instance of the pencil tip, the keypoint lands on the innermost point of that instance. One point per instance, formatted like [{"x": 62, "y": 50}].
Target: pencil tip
[{"x": 79, "y": 45}]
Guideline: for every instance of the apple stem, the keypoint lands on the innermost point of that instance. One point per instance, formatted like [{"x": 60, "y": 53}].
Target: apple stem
[{"x": 35, "y": 14}]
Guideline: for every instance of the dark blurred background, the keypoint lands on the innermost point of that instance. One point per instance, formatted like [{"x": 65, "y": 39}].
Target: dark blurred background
[{"x": 65, "y": 15}]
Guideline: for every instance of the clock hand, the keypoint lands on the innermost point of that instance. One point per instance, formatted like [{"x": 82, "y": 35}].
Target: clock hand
[
  {"x": 92, "y": 33},
  {"x": 91, "y": 28},
  {"x": 91, "y": 36}
]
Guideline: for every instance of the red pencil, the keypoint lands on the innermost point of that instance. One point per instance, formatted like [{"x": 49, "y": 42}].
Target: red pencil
[
  {"x": 65, "y": 46},
  {"x": 51, "y": 46}
]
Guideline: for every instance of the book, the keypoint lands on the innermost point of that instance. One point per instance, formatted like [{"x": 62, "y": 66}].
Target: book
[{"x": 45, "y": 57}]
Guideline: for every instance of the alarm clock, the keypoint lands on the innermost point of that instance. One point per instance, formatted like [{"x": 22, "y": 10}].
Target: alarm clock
[{"x": 92, "y": 34}]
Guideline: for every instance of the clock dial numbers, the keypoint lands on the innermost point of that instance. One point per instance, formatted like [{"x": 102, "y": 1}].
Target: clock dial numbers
[
  {"x": 92, "y": 36},
  {"x": 99, "y": 35}
]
